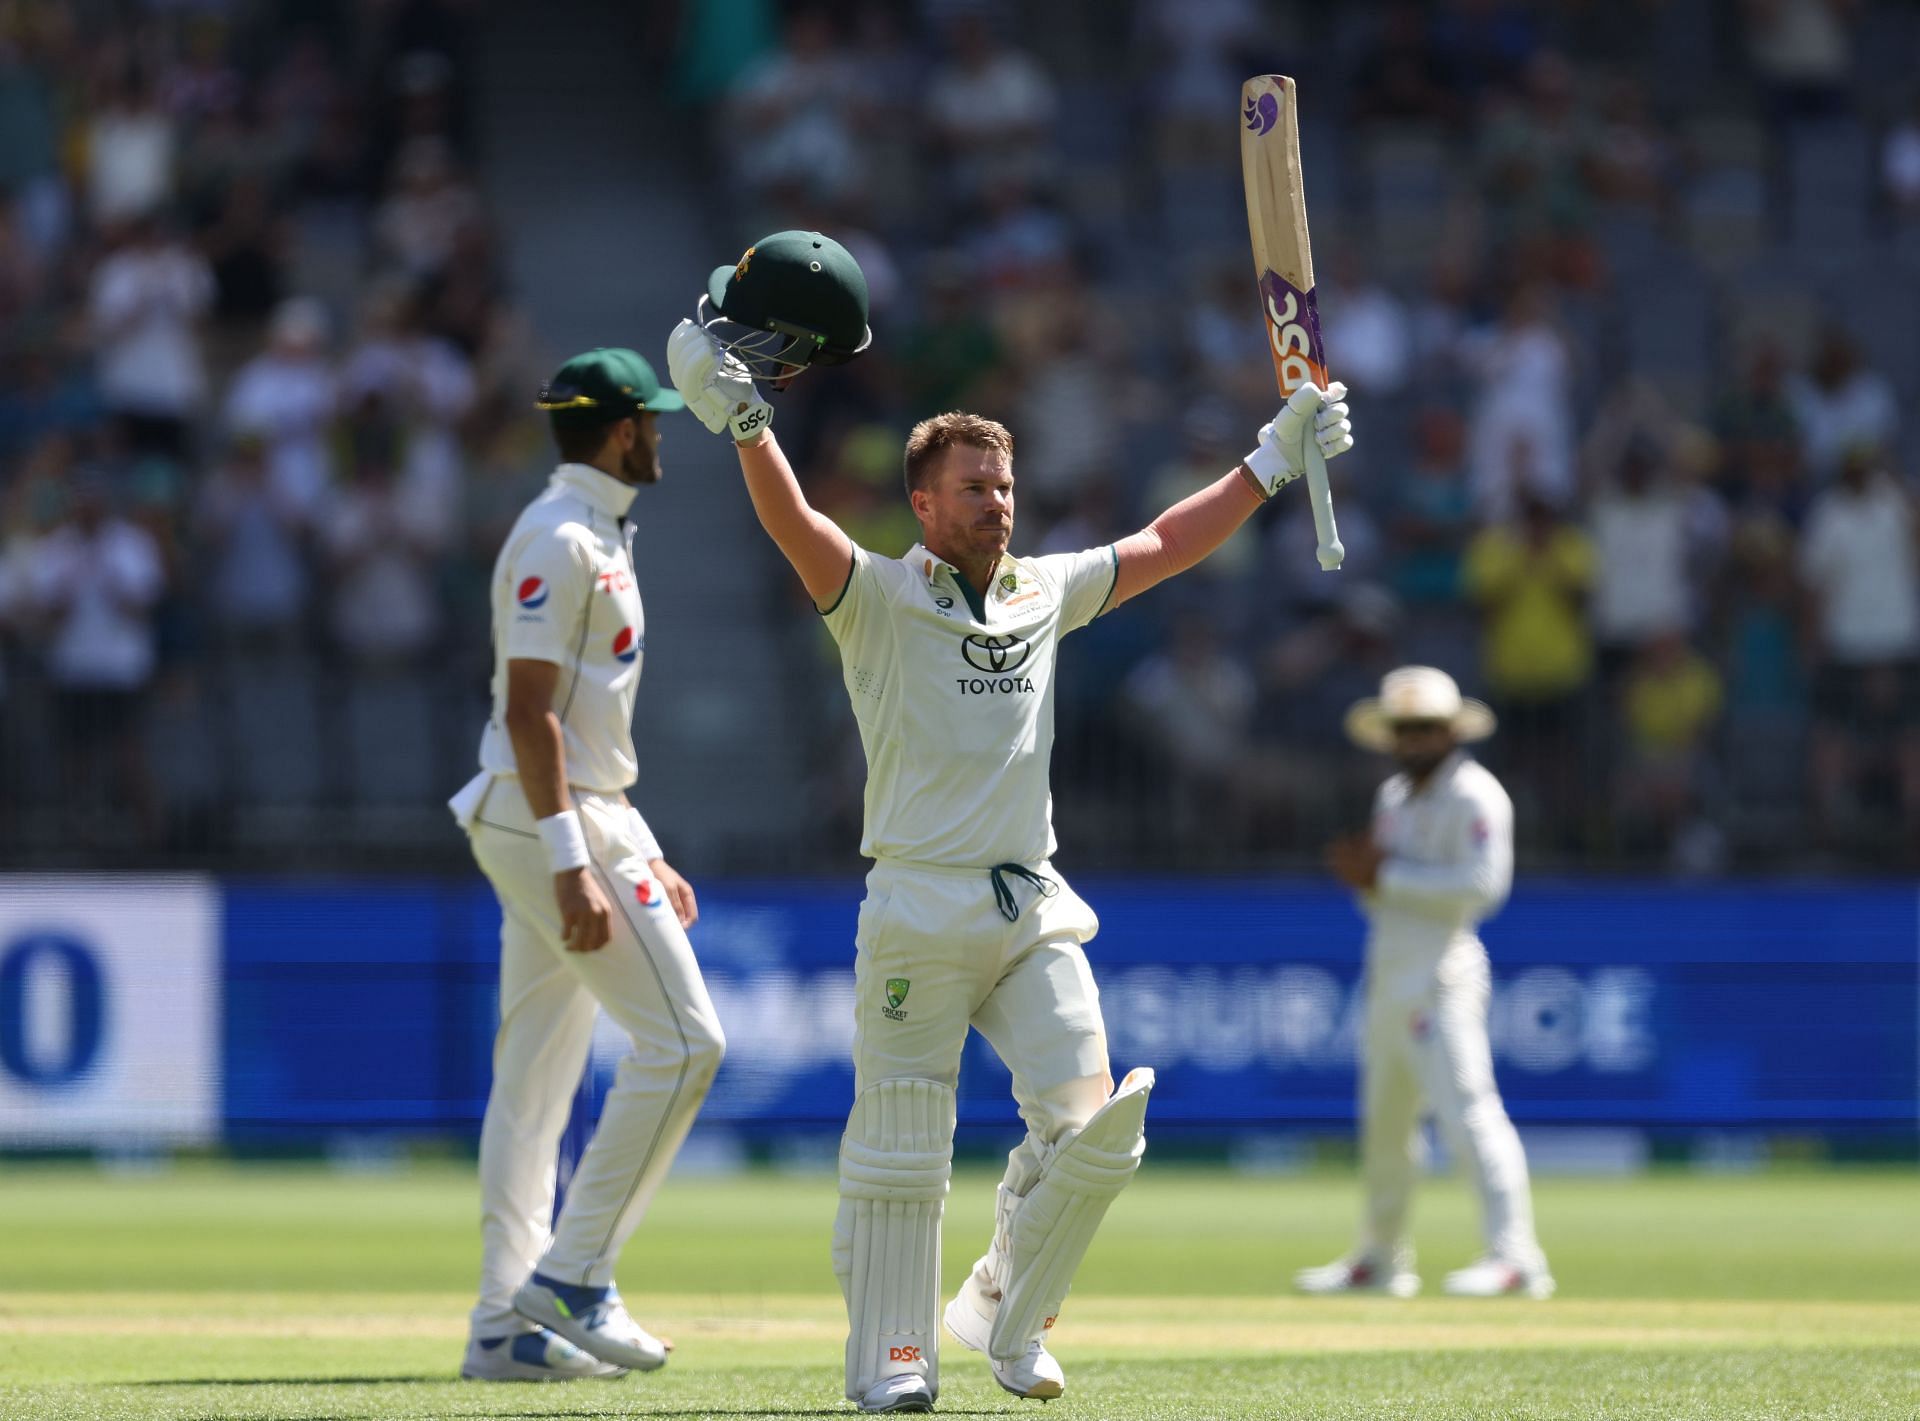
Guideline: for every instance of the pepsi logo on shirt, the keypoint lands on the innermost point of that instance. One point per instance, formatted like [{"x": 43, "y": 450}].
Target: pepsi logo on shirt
[
  {"x": 532, "y": 593},
  {"x": 626, "y": 645}
]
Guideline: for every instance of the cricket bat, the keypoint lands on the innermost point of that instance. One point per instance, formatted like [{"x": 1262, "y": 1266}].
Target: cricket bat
[{"x": 1283, "y": 265}]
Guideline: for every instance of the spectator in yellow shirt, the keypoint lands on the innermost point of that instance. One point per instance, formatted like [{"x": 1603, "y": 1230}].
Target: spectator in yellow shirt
[{"x": 1670, "y": 701}]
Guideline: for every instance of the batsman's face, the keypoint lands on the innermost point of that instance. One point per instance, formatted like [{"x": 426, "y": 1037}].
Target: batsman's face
[
  {"x": 966, "y": 509},
  {"x": 640, "y": 456},
  {"x": 1420, "y": 745}
]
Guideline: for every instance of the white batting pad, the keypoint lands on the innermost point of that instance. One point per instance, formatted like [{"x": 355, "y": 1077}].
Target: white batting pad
[
  {"x": 895, "y": 1160},
  {"x": 1052, "y": 1227}
]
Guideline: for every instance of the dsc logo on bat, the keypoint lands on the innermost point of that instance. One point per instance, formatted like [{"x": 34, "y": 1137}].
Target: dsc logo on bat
[{"x": 1292, "y": 342}]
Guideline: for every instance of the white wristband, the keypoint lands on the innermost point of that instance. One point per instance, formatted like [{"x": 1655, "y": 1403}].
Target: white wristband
[{"x": 566, "y": 844}]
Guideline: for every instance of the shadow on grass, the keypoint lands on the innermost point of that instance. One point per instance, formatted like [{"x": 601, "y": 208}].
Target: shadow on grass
[
  {"x": 682, "y": 1411},
  {"x": 288, "y": 1381}
]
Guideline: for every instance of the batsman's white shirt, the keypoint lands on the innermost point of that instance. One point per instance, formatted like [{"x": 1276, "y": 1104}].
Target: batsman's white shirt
[
  {"x": 564, "y": 591},
  {"x": 955, "y": 711},
  {"x": 1449, "y": 865}
]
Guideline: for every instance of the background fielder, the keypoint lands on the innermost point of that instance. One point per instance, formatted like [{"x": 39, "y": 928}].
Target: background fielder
[
  {"x": 1438, "y": 860},
  {"x": 949, "y": 659},
  {"x": 593, "y": 915}
]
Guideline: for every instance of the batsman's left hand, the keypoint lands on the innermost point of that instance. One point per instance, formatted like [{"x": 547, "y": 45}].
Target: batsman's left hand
[
  {"x": 1282, "y": 455},
  {"x": 679, "y": 892}
]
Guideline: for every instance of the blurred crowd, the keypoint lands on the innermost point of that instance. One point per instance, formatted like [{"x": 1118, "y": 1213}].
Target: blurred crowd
[
  {"x": 263, "y": 403},
  {"x": 1626, "y": 297}
]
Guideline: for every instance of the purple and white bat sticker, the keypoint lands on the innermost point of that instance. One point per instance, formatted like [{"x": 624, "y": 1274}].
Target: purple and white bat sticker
[{"x": 1293, "y": 333}]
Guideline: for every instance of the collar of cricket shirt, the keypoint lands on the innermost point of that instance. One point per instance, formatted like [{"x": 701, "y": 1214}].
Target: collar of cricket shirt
[
  {"x": 930, "y": 566},
  {"x": 1443, "y": 772},
  {"x": 596, "y": 488}
]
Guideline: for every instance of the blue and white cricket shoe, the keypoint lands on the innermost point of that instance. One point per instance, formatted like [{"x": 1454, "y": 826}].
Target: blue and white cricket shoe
[
  {"x": 592, "y": 1319},
  {"x": 536, "y": 1356}
]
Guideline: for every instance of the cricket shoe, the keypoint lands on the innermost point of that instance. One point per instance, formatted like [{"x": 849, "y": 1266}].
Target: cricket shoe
[
  {"x": 906, "y": 1392},
  {"x": 536, "y": 1356},
  {"x": 1493, "y": 1277},
  {"x": 592, "y": 1319},
  {"x": 1035, "y": 1373},
  {"x": 1360, "y": 1274}
]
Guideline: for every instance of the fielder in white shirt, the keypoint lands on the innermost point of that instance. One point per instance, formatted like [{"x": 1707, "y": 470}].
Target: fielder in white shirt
[
  {"x": 1439, "y": 859},
  {"x": 593, "y": 916},
  {"x": 949, "y": 659}
]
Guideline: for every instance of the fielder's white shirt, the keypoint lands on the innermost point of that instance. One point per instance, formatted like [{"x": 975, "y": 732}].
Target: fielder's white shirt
[
  {"x": 956, "y": 712},
  {"x": 1449, "y": 863},
  {"x": 564, "y": 591}
]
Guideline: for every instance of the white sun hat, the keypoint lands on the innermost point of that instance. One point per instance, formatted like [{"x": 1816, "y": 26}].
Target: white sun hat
[{"x": 1416, "y": 693}]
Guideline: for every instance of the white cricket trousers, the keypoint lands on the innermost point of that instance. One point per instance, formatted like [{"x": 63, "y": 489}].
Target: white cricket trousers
[
  {"x": 935, "y": 956},
  {"x": 649, "y": 984},
  {"x": 1427, "y": 1046},
  {"x": 1023, "y": 984}
]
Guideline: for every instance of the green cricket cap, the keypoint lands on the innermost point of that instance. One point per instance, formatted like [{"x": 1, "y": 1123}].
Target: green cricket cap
[
  {"x": 800, "y": 284},
  {"x": 604, "y": 385}
]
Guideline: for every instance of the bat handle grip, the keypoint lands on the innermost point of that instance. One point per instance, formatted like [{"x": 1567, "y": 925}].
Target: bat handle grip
[{"x": 1320, "y": 496}]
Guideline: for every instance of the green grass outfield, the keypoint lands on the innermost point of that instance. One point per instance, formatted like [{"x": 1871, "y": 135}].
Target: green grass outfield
[{"x": 296, "y": 1293}]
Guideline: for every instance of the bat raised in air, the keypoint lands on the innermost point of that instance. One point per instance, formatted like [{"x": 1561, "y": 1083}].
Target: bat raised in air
[{"x": 1283, "y": 264}]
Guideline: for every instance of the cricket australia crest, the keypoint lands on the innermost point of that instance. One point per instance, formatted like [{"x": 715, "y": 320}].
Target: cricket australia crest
[{"x": 896, "y": 994}]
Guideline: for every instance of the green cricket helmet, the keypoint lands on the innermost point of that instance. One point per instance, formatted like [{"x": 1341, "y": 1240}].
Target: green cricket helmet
[{"x": 794, "y": 299}]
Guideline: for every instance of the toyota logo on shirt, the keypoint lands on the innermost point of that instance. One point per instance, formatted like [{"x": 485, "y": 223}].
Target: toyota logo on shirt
[{"x": 995, "y": 655}]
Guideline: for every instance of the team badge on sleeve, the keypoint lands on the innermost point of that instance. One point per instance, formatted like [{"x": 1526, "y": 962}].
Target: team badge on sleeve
[{"x": 532, "y": 593}]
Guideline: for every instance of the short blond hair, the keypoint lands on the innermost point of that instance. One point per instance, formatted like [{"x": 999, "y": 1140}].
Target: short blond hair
[{"x": 933, "y": 437}]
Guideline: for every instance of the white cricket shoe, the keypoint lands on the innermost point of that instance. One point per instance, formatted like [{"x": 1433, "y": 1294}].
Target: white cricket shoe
[
  {"x": 1361, "y": 1273},
  {"x": 906, "y": 1392},
  {"x": 592, "y": 1319},
  {"x": 1492, "y": 1277},
  {"x": 1035, "y": 1374},
  {"x": 536, "y": 1356}
]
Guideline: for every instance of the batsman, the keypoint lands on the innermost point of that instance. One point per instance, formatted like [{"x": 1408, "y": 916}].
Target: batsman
[{"x": 949, "y": 659}]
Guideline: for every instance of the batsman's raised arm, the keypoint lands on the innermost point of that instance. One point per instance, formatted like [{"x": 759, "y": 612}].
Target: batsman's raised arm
[
  {"x": 1187, "y": 533},
  {"x": 820, "y": 552}
]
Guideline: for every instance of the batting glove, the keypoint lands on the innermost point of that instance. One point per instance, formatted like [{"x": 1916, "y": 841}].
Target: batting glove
[
  {"x": 1282, "y": 455},
  {"x": 716, "y": 385}
]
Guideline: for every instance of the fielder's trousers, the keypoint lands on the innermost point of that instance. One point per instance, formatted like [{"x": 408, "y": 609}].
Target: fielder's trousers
[
  {"x": 1427, "y": 1047},
  {"x": 647, "y": 981}
]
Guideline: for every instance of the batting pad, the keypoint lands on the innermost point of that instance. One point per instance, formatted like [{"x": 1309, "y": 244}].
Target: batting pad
[
  {"x": 895, "y": 1160},
  {"x": 1052, "y": 1227}
]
